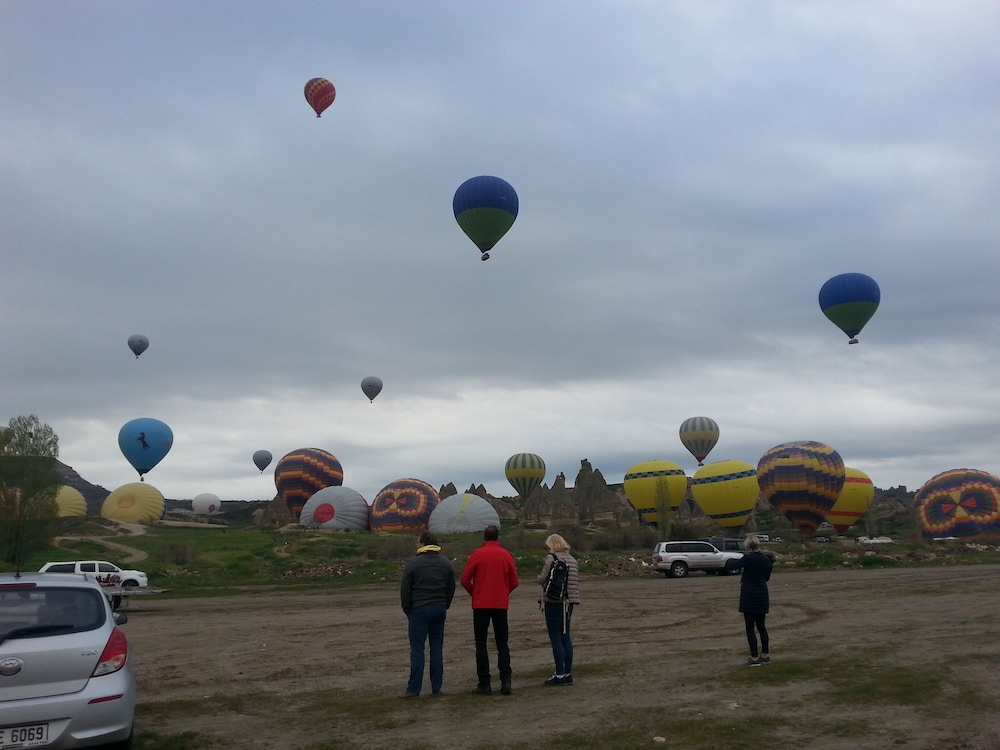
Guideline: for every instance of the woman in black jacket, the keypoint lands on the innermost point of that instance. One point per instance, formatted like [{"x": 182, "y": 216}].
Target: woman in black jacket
[{"x": 754, "y": 598}]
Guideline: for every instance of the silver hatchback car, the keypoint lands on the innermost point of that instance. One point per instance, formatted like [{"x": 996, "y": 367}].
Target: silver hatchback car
[{"x": 65, "y": 677}]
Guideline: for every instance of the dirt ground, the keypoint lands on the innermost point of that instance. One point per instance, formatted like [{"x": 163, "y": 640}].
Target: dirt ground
[{"x": 272, "y": 670}]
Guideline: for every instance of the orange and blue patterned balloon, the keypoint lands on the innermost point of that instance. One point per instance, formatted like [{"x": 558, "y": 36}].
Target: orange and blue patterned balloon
[
  {"x": 304, "y": 472},
  {"x": 403, "y": 506},
  {"x": 960, "y": 502},
  {"x": 699, "y": 435},
  {"x": 802, "y": 481},
  {"x": 524, "y": 471},
  {"x": 485, "y": 208}
]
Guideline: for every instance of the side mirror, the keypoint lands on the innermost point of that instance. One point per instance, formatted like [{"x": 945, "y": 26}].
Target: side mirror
[{"x": 120, "y": 618}]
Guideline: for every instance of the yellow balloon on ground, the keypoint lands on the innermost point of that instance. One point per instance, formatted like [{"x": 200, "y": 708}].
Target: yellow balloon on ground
[
  {"x": 70, "y": 502},
  {"x": 726, "y": 491},
  {"x": 654, "y": 485},
  {"x": 136, "y": 502},
  {"x": 853, "y": 502}
]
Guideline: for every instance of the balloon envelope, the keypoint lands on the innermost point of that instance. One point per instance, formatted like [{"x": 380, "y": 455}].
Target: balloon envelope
[
  {"x": 70, "y": 502},
  {"x": 303, "y": 472},
  {"x": 138, "y": 344},
  {"x": 144, "y": 442},
  {"x": 726, "y": 491},
  {"x": 849, "y": 301},
  {"x": 652, "y": 486},
  {"x": 403, "y": 505},
  {"x": 960, "y": 502},
  {"x": 262, "y": 459},
  {"x": 857, "y": 495},
  {"x": 699, "y": 435},
  {"x": 459, "y": 514},
  {"x": 371, "y": 386},
  {"x": 136, "y": 502},
  {"x": 335, "y": 508},
  {"x": 206, "y": 504},
  {"x": 320, "y": 94},
  {"x": 524, "y": 471},
  {"x": 485, "y": 208},
  {"x": 802, "y": 481}
]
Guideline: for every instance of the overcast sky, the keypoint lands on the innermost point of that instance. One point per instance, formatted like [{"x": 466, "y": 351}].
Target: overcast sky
[{"x": 689, "y": 175}]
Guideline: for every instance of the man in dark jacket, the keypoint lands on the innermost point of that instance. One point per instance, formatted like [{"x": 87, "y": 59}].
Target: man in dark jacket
[
  {"x": 490, "y": 575},
  {"x": 755, "y": 600},
  {"x": 426, "y": 591}
]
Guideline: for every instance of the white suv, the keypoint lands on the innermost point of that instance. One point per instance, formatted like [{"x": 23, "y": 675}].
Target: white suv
[
  {"x": 66, "y": 678},
  {"x": 676, "y": 559},
  {"x": 107, "y": 574}
]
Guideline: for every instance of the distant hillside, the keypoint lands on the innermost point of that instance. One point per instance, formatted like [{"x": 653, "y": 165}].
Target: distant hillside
[{"x": 93, "y": 494}]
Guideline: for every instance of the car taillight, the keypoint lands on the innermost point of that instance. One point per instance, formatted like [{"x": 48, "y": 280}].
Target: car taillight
[{"x": 114, "y": 656}]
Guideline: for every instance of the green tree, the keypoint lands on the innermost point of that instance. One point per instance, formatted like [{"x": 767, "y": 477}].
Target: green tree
[
  {"x": 664, "y": 507},
  {"x": 29, "y": 481}
]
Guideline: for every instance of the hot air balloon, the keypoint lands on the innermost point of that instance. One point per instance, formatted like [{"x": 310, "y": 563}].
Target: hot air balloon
[
  {"x": 336, "y": 508},
  {"x": 652, "y": 486},
  {"x": 802, "y": 481},
  {"x": 136, "y": 502},
  {"x": 371, "y": 386},
  {"x": 857, "y": 495},
  {"x": 525, "y": 471},
  {"x": 262, "y": 459},
  {"x": 485, "y": 208},
  {"x": 145, "y": 442},
  {"x": 403, "y": 505},
  {"x": 138, "y": 344},
  {"x": 206, "y": 504},
  {"x": 699, "y": 435},
  {"x": 850, "y": 300},
  {"x": 320, "y": 94},
  {"x": 460, "y": 514},
  {"x": 303, "y": 472},
  {"x": 726, "y": 491},
  {"x": 960, "y": 502},
  {"x": 70, "y": 502}
]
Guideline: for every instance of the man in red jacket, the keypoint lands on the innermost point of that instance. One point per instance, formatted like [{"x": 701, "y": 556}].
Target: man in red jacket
[{"x": 489, "y": 576}]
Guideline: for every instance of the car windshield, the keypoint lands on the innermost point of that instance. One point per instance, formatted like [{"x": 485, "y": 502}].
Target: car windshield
[{"x": 31, "y": 612}]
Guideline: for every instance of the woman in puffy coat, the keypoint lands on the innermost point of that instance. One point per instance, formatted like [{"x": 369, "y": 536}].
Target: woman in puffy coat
[
  {"x": 755, "y": 601},
  {"x": 559, "y": 613}
]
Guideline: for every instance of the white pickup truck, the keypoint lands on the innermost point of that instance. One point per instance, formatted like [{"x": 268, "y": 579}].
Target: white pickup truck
[{"x": 115, "y": 581}]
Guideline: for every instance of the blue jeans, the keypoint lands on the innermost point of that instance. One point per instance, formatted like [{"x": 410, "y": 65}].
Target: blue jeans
[
  {"x": 426, "y": 624},
  {"x": 559, "y": 635}
]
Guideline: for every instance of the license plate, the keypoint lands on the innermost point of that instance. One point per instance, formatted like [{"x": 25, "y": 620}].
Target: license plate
[{"x": 28, "y": 736}]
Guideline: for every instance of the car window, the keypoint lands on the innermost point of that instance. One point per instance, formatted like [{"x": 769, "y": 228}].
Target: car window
[
  {"x": 67, "y": 609},
  {"x": 88, "y": 567},
  {"x": 60, "y": 568},
  {"x": 107, "y": 568}
]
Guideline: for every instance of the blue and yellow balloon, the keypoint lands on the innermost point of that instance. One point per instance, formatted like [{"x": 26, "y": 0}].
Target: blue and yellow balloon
[
  {"x": 726, "y": 491},
  {"x": 849, "y": 301},
  {"x": 699, "y": 435},
  {"x": 485, "y": 208},
  {"x": 524, "y": 471}
]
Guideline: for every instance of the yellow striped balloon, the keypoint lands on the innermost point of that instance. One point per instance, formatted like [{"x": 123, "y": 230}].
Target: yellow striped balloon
[
  {"x": 726, "y": 491},
  {"x": 857, "y": 495},
  {"x": 802, "y": 481},
  {"x": 699, "y": 435},
  {"x": 525, "y": 471},
  {"x": 652, "y": 485},
  {"x": 70, "y": 502}
]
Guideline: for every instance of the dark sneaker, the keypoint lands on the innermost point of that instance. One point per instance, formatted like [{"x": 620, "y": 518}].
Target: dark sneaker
[
  {"x": 505, "y": 687},
  {"x": 437, "y": 693},
  {"x": 407, "y": 695},
  {"x": 764, "y": 660},
  {"x": 569, "y": 679},
  {"x": 482, "y": 690},
  {"x": 751, "y": 662},
  {"x": 555, "y": 681}
]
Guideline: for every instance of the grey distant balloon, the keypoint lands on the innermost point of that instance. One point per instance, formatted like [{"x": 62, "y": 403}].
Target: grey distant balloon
[
  {"x": 372, "y": 386},
  {"x": 262, "y": 459},
  {"x": 138, "y": 344}
]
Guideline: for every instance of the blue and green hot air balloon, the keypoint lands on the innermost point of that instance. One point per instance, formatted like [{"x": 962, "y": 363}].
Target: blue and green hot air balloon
[
  {"x": 485, "y": 208},
  {"x": 849, "y": 301}
]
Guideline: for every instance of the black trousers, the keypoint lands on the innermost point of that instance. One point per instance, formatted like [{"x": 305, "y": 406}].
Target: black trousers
[
  {"x": 481, "y": 620},
  {"x": 755, "y": 621}
]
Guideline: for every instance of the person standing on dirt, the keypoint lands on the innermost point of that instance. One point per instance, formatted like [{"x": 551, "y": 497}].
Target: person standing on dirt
[
  {"x": 490, "y": 575},
  {"x": 559, "y": 612},
  {"x": 755, "y": 600},
  {"x": 426, "y": 591}
]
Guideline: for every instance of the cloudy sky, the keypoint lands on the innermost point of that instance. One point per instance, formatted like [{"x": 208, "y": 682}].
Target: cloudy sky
[{"x": 689, "y": 175}]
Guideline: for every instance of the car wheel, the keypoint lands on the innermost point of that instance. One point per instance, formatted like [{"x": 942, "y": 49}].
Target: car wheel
[
  {"x": 116, "y": 602},
  {"x": 678, "y": 570},
  {"x": 129, "y": 585}
]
